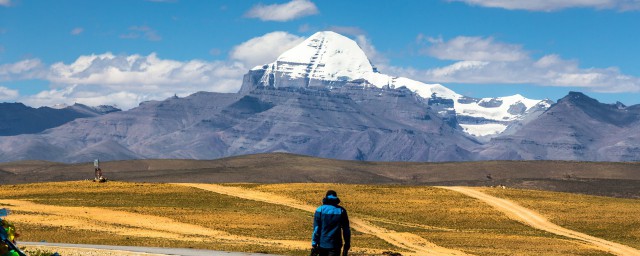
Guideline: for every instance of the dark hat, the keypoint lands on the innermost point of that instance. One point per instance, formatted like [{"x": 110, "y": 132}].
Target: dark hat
[{"x": 332, "y": 193}]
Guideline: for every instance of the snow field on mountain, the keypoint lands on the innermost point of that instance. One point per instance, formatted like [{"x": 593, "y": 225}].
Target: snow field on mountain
[
  {"x": 483, "y": 129},
  {"x": 500, "y": 113}
]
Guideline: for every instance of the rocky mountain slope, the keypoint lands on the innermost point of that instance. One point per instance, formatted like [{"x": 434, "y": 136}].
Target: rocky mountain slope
[
  {"x": 346, "y": 123},
  {"x": 575, "y": 128}
]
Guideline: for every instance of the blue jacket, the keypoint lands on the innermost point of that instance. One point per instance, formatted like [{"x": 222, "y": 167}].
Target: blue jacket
[{"x": 330, "y": 224}]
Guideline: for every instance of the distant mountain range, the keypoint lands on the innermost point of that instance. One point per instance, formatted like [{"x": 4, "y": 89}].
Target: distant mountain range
[
  {"x": 324, "y": 98},
  {"x": 575, "y": 128},
  {"x": 16, "y": 118}
]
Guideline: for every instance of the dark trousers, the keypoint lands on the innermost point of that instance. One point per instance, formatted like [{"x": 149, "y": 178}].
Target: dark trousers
[{"x": 329, "y": 252}]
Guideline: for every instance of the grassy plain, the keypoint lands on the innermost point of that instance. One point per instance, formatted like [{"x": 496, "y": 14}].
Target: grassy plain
[
  {"x": 614, "y": 219},
  {"x": 183, "y": 204},
  {"x": 444, "y": 217}
]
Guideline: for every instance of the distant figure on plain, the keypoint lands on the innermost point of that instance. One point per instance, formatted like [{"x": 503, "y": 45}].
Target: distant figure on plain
[
  {"x": 330, "y": 225},
  {"x": 98, "y": 172}
]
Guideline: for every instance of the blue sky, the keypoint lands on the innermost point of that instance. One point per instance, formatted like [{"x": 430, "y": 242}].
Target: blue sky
[{"x": 124, "y": 52}]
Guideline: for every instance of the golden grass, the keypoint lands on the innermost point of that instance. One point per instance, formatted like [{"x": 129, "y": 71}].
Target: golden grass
[
  {"x": 183, "y": 204},
  {"x": 613, "y": 219},
  {"x": 444, "y": 217}
]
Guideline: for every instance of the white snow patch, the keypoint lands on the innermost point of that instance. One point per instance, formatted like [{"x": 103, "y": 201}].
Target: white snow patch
[
  {"x": 483, "y": 129},
  {"x": 500, "y": 113}
]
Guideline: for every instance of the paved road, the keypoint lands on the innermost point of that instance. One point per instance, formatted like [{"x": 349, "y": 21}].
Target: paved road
[{"x": 151, "y": 250}]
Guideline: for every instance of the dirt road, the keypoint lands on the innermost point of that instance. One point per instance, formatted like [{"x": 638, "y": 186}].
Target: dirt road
[
  {"x": 130, "y": 224},
  {"x": 415, "y": 244},
  {"x": 534, "y": 219}
]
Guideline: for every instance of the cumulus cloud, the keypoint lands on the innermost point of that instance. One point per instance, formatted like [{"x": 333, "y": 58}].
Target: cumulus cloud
[
  {"x": 283, "y": 12},
  {"x": 123, "y": 80},
  {"x": 264, "y": 49},
  {"x": 88, "y": 96},
  {"x": 126, "y": 80},
  {"x": 555, "y": 5},
  {"x": 77, "y": 31},
  {"x": 474, "y": 48},
  {"x": 144, "y": 32},
  {"x": 24, "y": 69},
  {"x": 8, "y": 94},
  {"x": 485, "y": 61}
]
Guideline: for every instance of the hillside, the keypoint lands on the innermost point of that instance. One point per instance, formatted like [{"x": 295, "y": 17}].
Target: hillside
[
  {"x": 612, "y": 179},
  {"x": 576, "y": 128}
]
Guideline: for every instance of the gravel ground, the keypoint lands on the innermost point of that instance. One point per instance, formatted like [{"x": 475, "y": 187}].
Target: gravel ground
[
  {"x": 107, "y": 250},
  {"x": 68, "y": 251}
]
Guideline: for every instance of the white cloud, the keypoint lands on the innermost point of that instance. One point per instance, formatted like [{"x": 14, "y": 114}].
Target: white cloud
[
  {"x": 126, "y": 80},
  {"x": 555, "y": 5},
  {"x": 87, "y": 96},
  {"x": 484, "y": 61},
  {"x": 474, "y": 48},
  {"x": 77, "y": 31},
  {"x": 283, "y": 12},
  {"x": 8, "y": 94},
  {"x": 25, "y": 69},
  {"x": 144, "y": 31},
  {"x": 123, "y": 80},
  {"x": 5, "y": 3},
  {"x": 374, "y": 56},
  {"x": 264, "y": 49}
]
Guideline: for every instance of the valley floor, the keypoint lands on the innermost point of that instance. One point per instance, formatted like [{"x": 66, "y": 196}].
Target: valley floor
[{"x": 276, "y": 218}]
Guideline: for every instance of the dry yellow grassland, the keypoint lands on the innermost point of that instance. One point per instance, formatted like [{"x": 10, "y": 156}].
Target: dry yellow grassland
[
  {"x": 444, "y": 217},
  {"x": 242, "y": 220},
  {"x": 180, "y": 216},
  {"x": 614, "y": 219}
]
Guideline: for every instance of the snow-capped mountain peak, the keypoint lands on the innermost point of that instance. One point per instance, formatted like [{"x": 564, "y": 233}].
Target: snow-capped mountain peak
[
  {"x": 326, "y": 55},
  {"x": 328, "y": 59}
]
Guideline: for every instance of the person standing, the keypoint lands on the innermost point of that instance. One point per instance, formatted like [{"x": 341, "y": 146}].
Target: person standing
[
  {"x": 97, "y": 172},
  {"x": 330, "y": 225}
]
